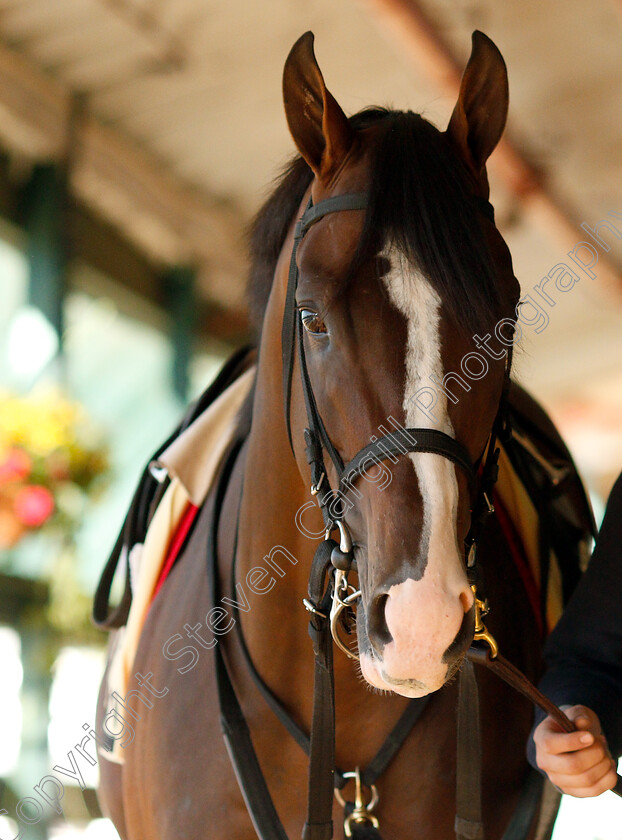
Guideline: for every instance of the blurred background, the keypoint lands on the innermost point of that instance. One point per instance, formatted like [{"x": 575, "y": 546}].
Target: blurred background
[{"x": 137, "y": 139}]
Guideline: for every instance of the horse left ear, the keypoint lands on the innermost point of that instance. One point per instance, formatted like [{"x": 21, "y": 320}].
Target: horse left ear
[
  {"x": 478, "y": 120},
  {"x": 319, "y": 127}
]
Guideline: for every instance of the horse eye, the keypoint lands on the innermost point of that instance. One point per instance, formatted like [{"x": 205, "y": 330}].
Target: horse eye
[{"x": 312, "y": 322}]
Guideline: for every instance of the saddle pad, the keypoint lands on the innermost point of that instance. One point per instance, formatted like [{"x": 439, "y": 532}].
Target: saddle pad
[
  {"x": 524, "y": 519},
  {"x": 192, "y": 462}
]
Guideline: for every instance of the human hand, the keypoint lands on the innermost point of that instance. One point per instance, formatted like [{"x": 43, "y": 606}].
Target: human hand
[{"x": 577, "y": 763}]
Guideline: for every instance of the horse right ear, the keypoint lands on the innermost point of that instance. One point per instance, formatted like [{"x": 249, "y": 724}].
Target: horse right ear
[
  {"x": 320, "y": 128},
  {"x": 478, "y": 119}
]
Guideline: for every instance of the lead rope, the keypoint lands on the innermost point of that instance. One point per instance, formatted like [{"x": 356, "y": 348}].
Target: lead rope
[
  {"x": 468, "y": 822},
  {"x": 469, "y": 825},
  {"x": 515, "y": 678}
]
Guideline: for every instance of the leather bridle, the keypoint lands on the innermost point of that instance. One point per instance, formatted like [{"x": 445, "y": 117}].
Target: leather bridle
[{"x": 327, "y": 579}]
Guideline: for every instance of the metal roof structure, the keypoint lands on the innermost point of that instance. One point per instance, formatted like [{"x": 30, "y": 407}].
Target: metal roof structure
[{"x": 168, "y": 117}]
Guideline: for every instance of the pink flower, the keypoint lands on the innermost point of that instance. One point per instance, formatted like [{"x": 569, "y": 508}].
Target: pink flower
[
  {"x": 33, "y": 505},
  {"x": 16, "y": 466}
]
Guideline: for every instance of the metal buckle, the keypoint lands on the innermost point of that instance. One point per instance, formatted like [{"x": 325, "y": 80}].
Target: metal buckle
[
  {"x": 158, "y": 471},
  {"x": 471, "y": 555},
  {"x": 362, "y": 812},
  {"x": 345, "y": 538},
  {"x": 489, "y": 504},
  {"x": 315, "y": 488}
]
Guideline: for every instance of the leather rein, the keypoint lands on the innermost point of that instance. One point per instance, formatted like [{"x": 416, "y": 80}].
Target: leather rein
[{"x": 329, "y": 595}]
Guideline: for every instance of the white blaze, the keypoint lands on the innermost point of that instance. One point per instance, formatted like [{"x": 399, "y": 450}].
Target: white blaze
[
  {"x": 423, "y": 616},
  {"x": 420, "y": 304}
]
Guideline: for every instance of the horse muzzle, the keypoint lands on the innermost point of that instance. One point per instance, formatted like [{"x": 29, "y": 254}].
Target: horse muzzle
[{"x": 412, "y": 642}]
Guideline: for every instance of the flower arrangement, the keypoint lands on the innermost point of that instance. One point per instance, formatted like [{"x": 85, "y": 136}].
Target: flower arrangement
[{"x": 52, "y": 458}]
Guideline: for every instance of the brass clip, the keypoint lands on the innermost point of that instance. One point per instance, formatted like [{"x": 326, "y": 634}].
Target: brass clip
[
  {"x": 481, "y": 634},
  {"x": 361, "y": 812}
]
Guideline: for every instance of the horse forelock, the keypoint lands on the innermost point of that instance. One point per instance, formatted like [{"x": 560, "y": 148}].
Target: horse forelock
[{"x": 420, "y": 202}]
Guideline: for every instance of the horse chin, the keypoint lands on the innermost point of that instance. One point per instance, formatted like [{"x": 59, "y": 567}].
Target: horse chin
[{"x": 375, "y": 675}]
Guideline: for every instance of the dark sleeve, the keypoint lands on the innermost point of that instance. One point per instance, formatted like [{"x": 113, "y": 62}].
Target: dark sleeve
[{"x": 584, "y": 652}]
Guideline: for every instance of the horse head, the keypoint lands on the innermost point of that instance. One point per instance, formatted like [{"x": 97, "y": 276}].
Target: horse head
[{"x": 406, "y": 318}]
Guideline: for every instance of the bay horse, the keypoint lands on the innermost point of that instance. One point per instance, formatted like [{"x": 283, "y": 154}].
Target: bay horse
[{"x": 398, "y": 276}]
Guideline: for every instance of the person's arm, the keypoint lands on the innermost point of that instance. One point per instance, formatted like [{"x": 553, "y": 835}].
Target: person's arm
[{"x": 584, "y": 659}]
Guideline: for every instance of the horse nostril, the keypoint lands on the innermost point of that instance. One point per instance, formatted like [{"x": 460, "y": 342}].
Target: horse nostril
[
  {"x": 377, "y": 629},
  {"x": 467, "y": 599}
]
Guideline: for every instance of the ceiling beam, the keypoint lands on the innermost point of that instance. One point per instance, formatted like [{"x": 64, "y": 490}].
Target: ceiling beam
[
  {"x": 410, "y": 28},
  {"x": 97, "y": 244},
  {"x": 171, "y": 222},
  {"x": 102, "y": 247}
]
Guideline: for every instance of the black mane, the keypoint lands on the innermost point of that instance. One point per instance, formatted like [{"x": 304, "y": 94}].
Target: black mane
[{"x": 419, "y": 201}]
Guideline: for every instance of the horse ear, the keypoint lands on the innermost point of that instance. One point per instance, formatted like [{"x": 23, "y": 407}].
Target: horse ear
[
  {"x": 478, "y": 120},
  {"x": 318, "y": 125}
]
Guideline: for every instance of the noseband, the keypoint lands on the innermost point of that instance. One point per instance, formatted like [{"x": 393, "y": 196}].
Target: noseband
[{"x": 398, "y": 442}]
